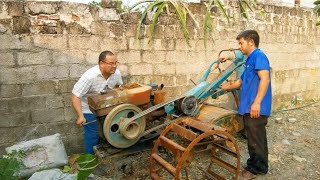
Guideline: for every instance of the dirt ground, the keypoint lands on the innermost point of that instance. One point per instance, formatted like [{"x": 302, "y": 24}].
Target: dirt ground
[{"x": 294, "y": 149}]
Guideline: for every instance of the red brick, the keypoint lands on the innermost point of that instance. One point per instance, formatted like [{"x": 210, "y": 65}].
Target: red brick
[
  {"x": 54, "y": 17},
  {"x": 43, "y": 17},
  {"x": 75, "y": 17}
]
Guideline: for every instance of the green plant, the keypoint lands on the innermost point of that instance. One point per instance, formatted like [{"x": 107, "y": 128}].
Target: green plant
[
  {"x": 87, "y": 164},
  {"x": 181, "y": 9},
  {"x": 94, "y": 4},
  {"x": 244, "y": 6},
  {"x": 11, "y": 164},
  {"x": 317, "y": 10},
  {"x": 158, "y": 7}
]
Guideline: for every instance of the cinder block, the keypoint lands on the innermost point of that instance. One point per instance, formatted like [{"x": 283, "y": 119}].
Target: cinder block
[
  {"x": 123, "y": 69},
  {"x": 196, "y": 56},
  {"x": 51, "y": 72},
  {"x": 74, "y": 143},
  {"x": 15, "y": 8},
  {"x": 4, "y": 104},
  {"x": 21, "y": 25},
  {"x": 47, "y": 116},
  {"x": 131, "y": 30},
  {"x": 65, "y": 86},
  {"x": 181, "y": 80},
  {"x": 100, "y": 28},
  {"x": 68, "y": 57},
  {"x": 30, "y": 58},
  {"x": 117, "y": 29},
  {"x": 3, "y": 147},
  {"x": 21, "y": 104},
  {"x": 8, "y": 75},
  {"x": 181, "y": 44},
  {"x": 77, "y": 42},
  {"x": 140, "y": 44},
  {"x": 6, "y": 59},
  {"x": 51, "y": 41},
  {"x": 163, "y": 44},
  {"x": 113, "y": 44},
  {"x": 77, "y": 70},
  {"x": 92, "y": 57},
  {"x": 58, "y": 127},
  {"x": 26, "y": 74},
  {"x": 154, "y": 57},
  {"x": 70, "y": 115},
  {"x": 40, "y": 7},
  {"x": 39, "y": 88},
  {"x": 130, "y": 56},
  {"x": 15, "y": 42},
  {"x": 54, "y": 101},
  {"x": 4, "y": 10},
  {"x": 189, "y": 68},
  {"x": 166, "y": 80},
  {"x": 15, "y": 119},
  {"x": 164, "y": 69},
  {"x": 131, "y": 17},
  {"x": 135, "y": 79},
  {"x": 201, "y": 46},
  {"x": 67, "y": 99},
  {"x": 10, "y": 90},
  {"x": 141, "y": 69},
  {"x": 6, "y": 138},
  {"x": 176, "y": 56},
  {"x": 108, "y": 14},
  {"x": 173, "y": 91}
]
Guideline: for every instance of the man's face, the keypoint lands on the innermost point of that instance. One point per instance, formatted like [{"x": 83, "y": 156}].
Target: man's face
[
  {"x": 109, "y": 65},
  {"x": 245, "y": 46}
]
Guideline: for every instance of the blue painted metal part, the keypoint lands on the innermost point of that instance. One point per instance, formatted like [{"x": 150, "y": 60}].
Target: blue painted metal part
[{"x": 205, "y": 89}]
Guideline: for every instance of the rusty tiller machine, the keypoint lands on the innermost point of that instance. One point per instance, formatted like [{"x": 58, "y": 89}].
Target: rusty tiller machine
[{"x": 196, "y": 126}]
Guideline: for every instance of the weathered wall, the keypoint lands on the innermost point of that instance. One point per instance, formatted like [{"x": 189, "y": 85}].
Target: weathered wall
[{"x": 46, "y": 46}]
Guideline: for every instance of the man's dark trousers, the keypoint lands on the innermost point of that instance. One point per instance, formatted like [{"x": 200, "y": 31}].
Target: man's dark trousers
[{"x": 257, "y": 144}]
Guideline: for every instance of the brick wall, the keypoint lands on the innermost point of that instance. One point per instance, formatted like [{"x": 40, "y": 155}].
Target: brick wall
[{"x": 46, "y": 46}]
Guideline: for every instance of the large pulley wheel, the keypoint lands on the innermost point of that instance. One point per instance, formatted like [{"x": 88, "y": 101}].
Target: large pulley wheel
[{"x": 119, "y": 130}]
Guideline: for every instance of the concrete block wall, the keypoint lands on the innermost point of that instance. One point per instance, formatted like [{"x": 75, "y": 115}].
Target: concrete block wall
[{"x": 46, "y": 46}]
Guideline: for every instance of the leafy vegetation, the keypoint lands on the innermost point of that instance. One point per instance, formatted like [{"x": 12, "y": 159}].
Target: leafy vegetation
[
  {"x": 94, "y": 4},
  {"x": 87, "y": 164},
  {"x": 11, "y": 164},
  {"x": 181, "y": 10}
]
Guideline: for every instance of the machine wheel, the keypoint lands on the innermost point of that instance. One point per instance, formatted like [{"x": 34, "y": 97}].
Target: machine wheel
[
  {"x": 176, "y": 154},
  {"x": 118, "y": 131}
]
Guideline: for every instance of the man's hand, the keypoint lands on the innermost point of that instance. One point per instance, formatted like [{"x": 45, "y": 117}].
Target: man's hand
[
  {"x": 224, "y": 87},
  {"x": 225, "y": 58},
  {"x": 255, "y": 110},
  {"x": 81, "y": 120}
]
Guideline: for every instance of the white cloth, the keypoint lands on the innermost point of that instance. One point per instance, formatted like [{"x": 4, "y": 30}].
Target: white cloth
[{"x": 92, "y": 82}]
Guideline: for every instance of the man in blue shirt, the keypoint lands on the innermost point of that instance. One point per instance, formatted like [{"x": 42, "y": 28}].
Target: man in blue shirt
[{"x": 255, "y": 102}]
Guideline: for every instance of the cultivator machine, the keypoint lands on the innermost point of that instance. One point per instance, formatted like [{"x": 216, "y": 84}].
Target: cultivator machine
[{"x": 196, "y": 126}]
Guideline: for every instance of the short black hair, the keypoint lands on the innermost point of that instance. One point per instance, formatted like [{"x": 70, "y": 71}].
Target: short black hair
[
  {"x": 248, "y": 35},
  {"x": 104, "y": 54}
]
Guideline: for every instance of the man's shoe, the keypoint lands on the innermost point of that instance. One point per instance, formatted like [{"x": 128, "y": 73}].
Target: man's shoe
[{"x": 247, "y": 175}]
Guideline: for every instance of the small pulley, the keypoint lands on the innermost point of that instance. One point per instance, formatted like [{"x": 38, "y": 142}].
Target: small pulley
[{"x": 188, "y": 105}]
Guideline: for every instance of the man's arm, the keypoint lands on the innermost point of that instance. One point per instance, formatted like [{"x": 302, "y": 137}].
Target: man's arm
[
  {"x": 232, "y": 86},
  {"x": 263, "y": 88},
  {"x": 76, "y": 103}
]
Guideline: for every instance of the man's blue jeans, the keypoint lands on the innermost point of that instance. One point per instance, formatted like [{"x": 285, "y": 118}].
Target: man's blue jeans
[{"x": 91, "y": 135}]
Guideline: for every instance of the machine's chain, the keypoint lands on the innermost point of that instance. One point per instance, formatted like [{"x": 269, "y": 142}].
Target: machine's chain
[{"x": 153, "y": 108}]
